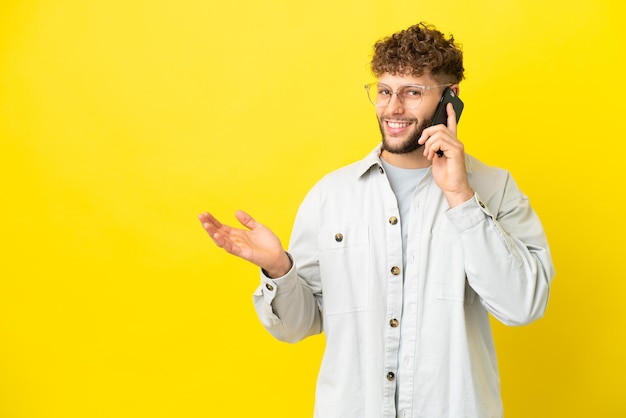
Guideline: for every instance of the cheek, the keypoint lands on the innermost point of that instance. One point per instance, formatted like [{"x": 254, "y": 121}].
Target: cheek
[
  {"x": 428, "y": 111},
  {"x": 424, "y": 118}
]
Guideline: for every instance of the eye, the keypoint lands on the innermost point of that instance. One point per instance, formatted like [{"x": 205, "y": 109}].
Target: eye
[
  {"x": 383, "y": 91},
  {"x": 412, "y": 92}
]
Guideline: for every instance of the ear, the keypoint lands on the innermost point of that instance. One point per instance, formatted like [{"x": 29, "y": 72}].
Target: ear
[{"x": 455, "y": 88}]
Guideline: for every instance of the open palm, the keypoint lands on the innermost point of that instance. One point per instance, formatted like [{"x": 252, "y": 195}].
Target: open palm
[{"x": 257, "y": 243}]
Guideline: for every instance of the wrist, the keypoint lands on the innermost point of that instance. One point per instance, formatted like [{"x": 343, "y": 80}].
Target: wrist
[
  {"x": 282, "y": 267},
  {"x": 457, "y": 198}
]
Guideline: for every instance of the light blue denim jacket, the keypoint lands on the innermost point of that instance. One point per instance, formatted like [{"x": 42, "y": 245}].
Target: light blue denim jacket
[{"x": 414, "y": 343}]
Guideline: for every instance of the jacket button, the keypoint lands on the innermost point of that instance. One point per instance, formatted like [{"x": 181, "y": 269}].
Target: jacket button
[
  {"x": 381, "y": 170},
  {"x": 269, "y": 287},
  {"x": 394, "y": 323},
  {"x": 338, "y": 237},
  {"x": 395, "y": 270},
  {"x": 391, "y": 376},
  {"x": 393, "y": 220}
]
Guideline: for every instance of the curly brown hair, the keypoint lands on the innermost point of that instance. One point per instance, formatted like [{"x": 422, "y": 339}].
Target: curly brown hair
[{"x": 418, "y": 50}]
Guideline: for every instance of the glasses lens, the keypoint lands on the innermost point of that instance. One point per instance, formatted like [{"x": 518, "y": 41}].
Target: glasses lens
[
  {"x": 409, "y": 96},
  {"x": 371, "y": 93}
]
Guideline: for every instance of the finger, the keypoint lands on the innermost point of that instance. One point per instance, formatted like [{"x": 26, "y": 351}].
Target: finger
[
  {"x": 206, "y": 217},
  {"x": 430, "y": 153},
  {"x": 423, "y": 137},
  {"x": 212, "y": 226},
  {"x": 223, "y": 238},
  {"x": 428, "y": 135},
  {"x": 451, "y": 118},
  {"x": 246, "y": 220},
  {"x": 203, "y": 217},
  {"x": 217, "y": 238},
  {"x": 435, "y": 146}
]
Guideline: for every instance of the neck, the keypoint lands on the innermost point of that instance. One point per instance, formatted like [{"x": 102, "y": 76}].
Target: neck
[{"x": 414, "y": 159}]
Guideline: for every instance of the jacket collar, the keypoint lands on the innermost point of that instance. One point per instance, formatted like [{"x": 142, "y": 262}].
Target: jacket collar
[{"x": 372, "y": 160}]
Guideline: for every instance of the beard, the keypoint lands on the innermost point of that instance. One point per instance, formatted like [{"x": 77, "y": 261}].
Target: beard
[{"x": 410, "y": 144}]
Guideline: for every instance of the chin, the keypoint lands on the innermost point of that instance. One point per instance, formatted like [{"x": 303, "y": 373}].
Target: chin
[{"x": 407, "y": 146}]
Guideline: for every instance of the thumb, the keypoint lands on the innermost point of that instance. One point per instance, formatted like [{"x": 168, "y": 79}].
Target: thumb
[{"x": 245, "y": 219}]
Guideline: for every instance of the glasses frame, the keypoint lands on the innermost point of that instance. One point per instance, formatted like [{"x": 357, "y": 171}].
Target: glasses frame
[{"x": 400, "y": 98}]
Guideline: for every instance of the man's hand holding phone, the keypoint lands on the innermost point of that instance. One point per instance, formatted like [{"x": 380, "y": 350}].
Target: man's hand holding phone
[{"x": 449, "y": 169}]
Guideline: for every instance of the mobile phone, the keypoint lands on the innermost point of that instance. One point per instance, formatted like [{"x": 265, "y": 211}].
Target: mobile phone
[{"x": 441, "y": 115}]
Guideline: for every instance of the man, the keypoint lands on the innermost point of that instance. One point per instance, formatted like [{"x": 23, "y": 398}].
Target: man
[{"x": 400, "y": 257}]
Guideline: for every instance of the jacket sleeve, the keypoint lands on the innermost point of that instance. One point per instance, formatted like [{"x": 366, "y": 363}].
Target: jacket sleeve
[
  {"x": 507, "y": 258},
  {"x": 290, "y": 307}
]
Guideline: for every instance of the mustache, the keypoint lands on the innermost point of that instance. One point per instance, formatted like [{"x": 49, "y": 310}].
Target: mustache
[{"x": 398, "y": 119}]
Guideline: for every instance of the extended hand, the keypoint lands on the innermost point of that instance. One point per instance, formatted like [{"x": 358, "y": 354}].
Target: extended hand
[{"x": 257, "y": 244}]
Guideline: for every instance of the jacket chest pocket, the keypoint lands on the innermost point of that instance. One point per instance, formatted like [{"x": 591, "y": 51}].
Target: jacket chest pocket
[{"x": 344, "y": 257}]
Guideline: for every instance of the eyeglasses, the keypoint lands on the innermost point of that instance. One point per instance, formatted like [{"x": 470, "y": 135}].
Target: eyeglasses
[{"x": 410, "y": 95}]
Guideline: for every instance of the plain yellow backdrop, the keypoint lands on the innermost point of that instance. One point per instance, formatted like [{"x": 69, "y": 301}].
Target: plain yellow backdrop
[{"x": 121, "y": 120}]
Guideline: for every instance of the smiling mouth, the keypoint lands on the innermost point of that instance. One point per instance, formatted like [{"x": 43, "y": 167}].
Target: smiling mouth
[{"x": 398, "y": 125}]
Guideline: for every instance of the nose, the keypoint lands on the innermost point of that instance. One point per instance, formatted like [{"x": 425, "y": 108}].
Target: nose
[{"x": 395, "y": 105}]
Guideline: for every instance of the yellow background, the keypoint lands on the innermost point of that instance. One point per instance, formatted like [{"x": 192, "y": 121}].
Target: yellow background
[{"x": 121, "y": 120}]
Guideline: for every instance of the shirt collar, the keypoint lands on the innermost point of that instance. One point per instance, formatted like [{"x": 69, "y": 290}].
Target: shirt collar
[{"x": 371, "y": 160}]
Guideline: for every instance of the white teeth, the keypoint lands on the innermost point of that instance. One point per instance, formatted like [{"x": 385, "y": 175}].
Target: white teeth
[{"x": 397, "y": 125}]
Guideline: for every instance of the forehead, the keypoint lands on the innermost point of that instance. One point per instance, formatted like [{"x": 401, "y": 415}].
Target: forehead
[{"x": 400, "y": 80}]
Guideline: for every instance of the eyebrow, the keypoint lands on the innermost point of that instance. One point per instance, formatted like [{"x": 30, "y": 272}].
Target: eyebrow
[{"x": 404, "y": 85}]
